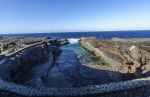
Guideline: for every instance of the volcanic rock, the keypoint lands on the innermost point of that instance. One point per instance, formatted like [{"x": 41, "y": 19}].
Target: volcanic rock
[
  {"x": 130, "y": 58},
  {"x": 63, "y": 41}
]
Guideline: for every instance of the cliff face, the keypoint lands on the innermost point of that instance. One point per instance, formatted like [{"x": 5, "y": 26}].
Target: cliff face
[
  {"x": 18, "y": 65},
  {"x": 31, "y": 62},
  {"x": 127, "y": 56}
]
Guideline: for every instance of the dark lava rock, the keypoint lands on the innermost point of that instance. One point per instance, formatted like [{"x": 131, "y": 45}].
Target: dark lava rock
[{"x": 63, "y": 41}]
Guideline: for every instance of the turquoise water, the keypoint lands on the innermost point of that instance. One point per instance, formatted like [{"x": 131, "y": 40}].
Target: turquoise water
[
  {"x": 68, "y": 57},
  {"x": 70, "y": 66}
]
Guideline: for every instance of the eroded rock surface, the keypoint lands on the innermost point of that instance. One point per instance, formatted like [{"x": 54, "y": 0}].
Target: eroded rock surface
[
  {"x": 127, "y": 56},
  {"x": 63, "y": 41},
  {"x": 30, "y": 64},
  {"x": 14, "y": 44},
  {"x": 28, "y": 60}
]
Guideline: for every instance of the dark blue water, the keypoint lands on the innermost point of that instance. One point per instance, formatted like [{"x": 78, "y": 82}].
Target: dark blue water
[{"x": 101, "y": 35}]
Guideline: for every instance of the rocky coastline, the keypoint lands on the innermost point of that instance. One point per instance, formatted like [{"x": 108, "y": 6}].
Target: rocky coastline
[
  {"x": 126, "y": 56},
  {"x": 28, "y": 68},
  {"x": 27, "y": 61}
]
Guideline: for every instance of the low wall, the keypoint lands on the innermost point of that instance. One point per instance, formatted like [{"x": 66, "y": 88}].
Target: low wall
[{"x": 82, "y": 91}]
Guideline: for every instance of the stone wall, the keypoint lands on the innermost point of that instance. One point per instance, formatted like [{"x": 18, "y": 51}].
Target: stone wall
[{"x": 81, "y": 91}]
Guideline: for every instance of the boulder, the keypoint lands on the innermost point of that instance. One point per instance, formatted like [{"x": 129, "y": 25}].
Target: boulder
[
  {"x": 63, "y": 41},
  {"x": 47, "y": 37},
  {"x": 53, "y": 42}
]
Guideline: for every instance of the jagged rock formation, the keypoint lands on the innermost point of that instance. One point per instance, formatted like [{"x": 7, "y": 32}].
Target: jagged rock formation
[
  {"x": 28, "y": 61},
  {"x": 128, "y": 56},
  {"x": 16, "y": 65},
  {"x": 10, "y": 45},
  {"x": 29, "y": 65},
  {"x": 63, "y": 41}
]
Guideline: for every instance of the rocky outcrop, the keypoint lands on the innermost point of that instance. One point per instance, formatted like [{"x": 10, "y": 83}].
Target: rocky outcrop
[
  {"x": 94, "y": 46},
  {"x": 128, "y": 56},
  {"x": 63, "y": 41},
  {"x": 17, "y": 65},
  {"x": 30, "y": 64},
  {"x": 10, "y": 45}
]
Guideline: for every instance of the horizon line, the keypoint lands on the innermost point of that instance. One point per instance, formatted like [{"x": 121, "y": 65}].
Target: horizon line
[{"x": 74, "y": 31}]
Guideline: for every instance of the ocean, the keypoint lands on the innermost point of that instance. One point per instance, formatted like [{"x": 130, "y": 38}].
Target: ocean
[{"x": 100, "y": 35}]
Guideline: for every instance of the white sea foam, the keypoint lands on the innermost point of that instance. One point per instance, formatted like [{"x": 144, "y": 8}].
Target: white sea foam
[{"x": 73, "y": 40}]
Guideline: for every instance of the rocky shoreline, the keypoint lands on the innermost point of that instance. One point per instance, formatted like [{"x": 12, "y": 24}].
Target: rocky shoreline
[
  {"x": 126, "y": 56},
  {"x": 28, "y": 68},
  {"x": 27, "y": 61}
]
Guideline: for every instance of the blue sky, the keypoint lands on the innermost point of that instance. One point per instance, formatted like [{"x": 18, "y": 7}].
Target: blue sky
[{"x": 27, "y": 16}]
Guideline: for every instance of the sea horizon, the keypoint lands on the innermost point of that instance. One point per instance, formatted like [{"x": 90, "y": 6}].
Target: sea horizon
[
  {"x": 97, "y": 34},
  {"x": 74, "y": 32}
]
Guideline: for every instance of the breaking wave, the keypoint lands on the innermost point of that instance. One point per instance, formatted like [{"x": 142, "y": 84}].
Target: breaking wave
[{"x": 73, "y": 40}]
